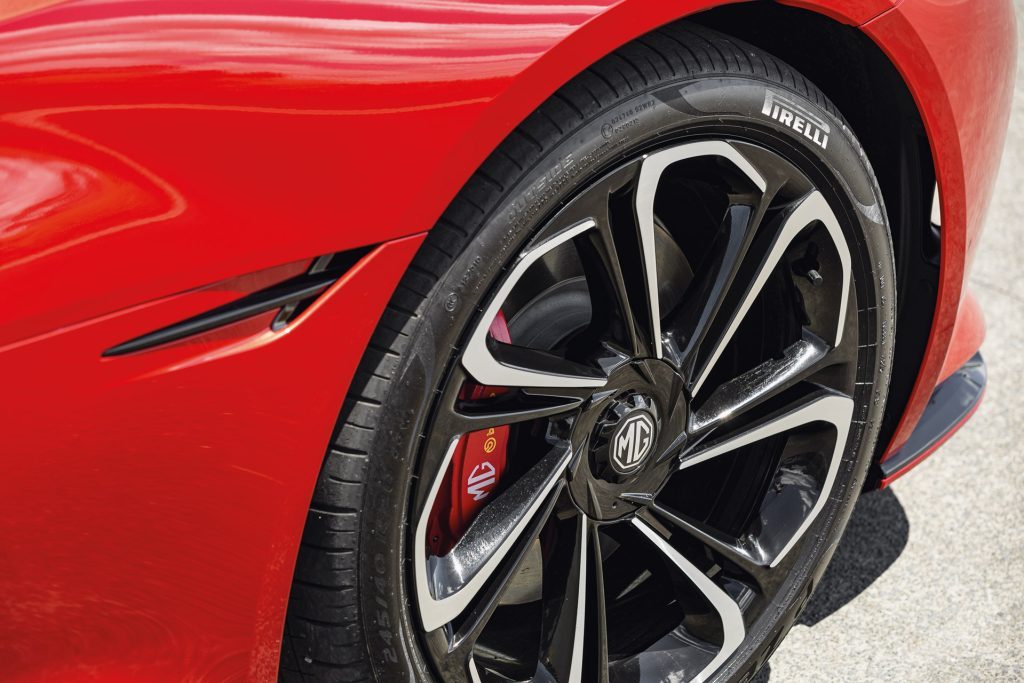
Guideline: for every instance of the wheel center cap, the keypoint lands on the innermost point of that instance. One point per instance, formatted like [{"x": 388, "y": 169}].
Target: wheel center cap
[
  {"x": 632, "y": 441},
  {"x": 625, "y": 437},
  {"x": 627, "y": 429}
]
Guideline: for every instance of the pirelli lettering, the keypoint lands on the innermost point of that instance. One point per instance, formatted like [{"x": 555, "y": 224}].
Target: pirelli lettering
[{"x": 799, "y": 118}]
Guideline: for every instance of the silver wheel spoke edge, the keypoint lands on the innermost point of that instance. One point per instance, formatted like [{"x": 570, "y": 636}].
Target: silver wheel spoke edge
[
  {"x": 651, "y": 170},
  {"x": 478, "y": 359},
  {"x": 834, "y": 409},
  {"x": 576, "y": 665},
  {"x": 474, "y": 674},
  {"x": 733, "y": 630},
  {"x": 484, "y": 554},
  {"x": 812, "y": 208},
  {"x": 741, "y": 393}
]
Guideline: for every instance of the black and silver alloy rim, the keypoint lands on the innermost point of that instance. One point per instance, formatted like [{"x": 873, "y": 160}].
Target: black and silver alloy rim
[{"x": 679, "y": 391}]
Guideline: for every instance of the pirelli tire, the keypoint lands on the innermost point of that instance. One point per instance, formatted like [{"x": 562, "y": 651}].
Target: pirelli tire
[{"x": 356, "y": 610}]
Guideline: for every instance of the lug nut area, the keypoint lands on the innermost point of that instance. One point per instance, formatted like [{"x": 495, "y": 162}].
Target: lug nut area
[{"x": 626, "y": 431}]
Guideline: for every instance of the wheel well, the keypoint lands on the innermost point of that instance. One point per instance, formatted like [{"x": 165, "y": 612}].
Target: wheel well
[{"x": 863, "y": 84}]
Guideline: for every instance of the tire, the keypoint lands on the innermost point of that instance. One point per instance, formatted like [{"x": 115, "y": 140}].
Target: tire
[{"x": 352, "y": 613}]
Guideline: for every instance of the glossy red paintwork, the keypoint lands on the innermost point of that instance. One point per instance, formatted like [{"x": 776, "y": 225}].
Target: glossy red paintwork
[
  {"x": 151, "y": 505},
  {"x": 852, "y": 12},
  {"x": 968, "y": 333},
  {"x": 957, "y": 59}
]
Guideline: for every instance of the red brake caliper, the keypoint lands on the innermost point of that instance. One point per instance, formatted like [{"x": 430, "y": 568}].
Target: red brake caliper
[{"x": 476, "y": 468}]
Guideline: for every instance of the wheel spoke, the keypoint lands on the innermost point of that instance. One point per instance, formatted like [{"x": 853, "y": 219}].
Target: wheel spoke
[
  {"x": 495, "y": 364},
  {"x": 687, "y": 328},
  {"x": 464, "y": 638},
  {"x": 733, "y": 630},
  {"x": 812, "y": 208},
  {"x": 746, "y": 558},
  {"x": 565, "y": 616},
  {"x": 465, "y": 407},
  {"x": 536, "y": 368},
  {"x": 610, "y": 258},
  {"x": 651, "y": 170},
  {"x": 600, "y": 616},
  {"x": 822, "y": 406},
  {"x": 500, "y": 406},
  {"x": 735, "y": 397},
  {"x": 446, "y": 585},
  {"x": 474, "y": 672},
  {"x": 508, "y": 409}
]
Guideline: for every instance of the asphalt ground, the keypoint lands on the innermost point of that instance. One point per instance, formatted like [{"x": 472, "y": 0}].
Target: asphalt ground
[{"x": 928, "y": 582}]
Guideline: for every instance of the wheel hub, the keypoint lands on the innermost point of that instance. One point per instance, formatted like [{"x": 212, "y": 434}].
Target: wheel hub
[{"x": 628, "y": 432}]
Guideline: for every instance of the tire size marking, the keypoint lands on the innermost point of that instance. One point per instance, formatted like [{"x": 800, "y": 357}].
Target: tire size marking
[
  {"x": 566, "y": 169},
  {"x": 626, "y": 119},
  {"x": 383, "y": 621},
  {"x": 542, "y": 189}
]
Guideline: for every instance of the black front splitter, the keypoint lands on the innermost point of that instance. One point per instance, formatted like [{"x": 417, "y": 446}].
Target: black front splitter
[{"x": 950, "y": 406}]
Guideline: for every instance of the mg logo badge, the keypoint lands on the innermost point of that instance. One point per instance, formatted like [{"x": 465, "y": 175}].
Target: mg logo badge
[{"x": 632, "y": 442}]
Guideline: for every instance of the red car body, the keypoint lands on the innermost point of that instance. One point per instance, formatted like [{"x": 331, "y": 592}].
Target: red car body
[{"x": 162, "y": 157}]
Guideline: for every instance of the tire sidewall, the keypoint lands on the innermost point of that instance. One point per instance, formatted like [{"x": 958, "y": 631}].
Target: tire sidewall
[{"x": 725, "y": 106}]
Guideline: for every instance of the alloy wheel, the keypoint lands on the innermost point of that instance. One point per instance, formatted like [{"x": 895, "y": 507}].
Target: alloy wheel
[{"x": 677, "y": 385}]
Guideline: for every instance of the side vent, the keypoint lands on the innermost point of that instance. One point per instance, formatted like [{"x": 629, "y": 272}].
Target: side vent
[{"x": 292, "y": 297}]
